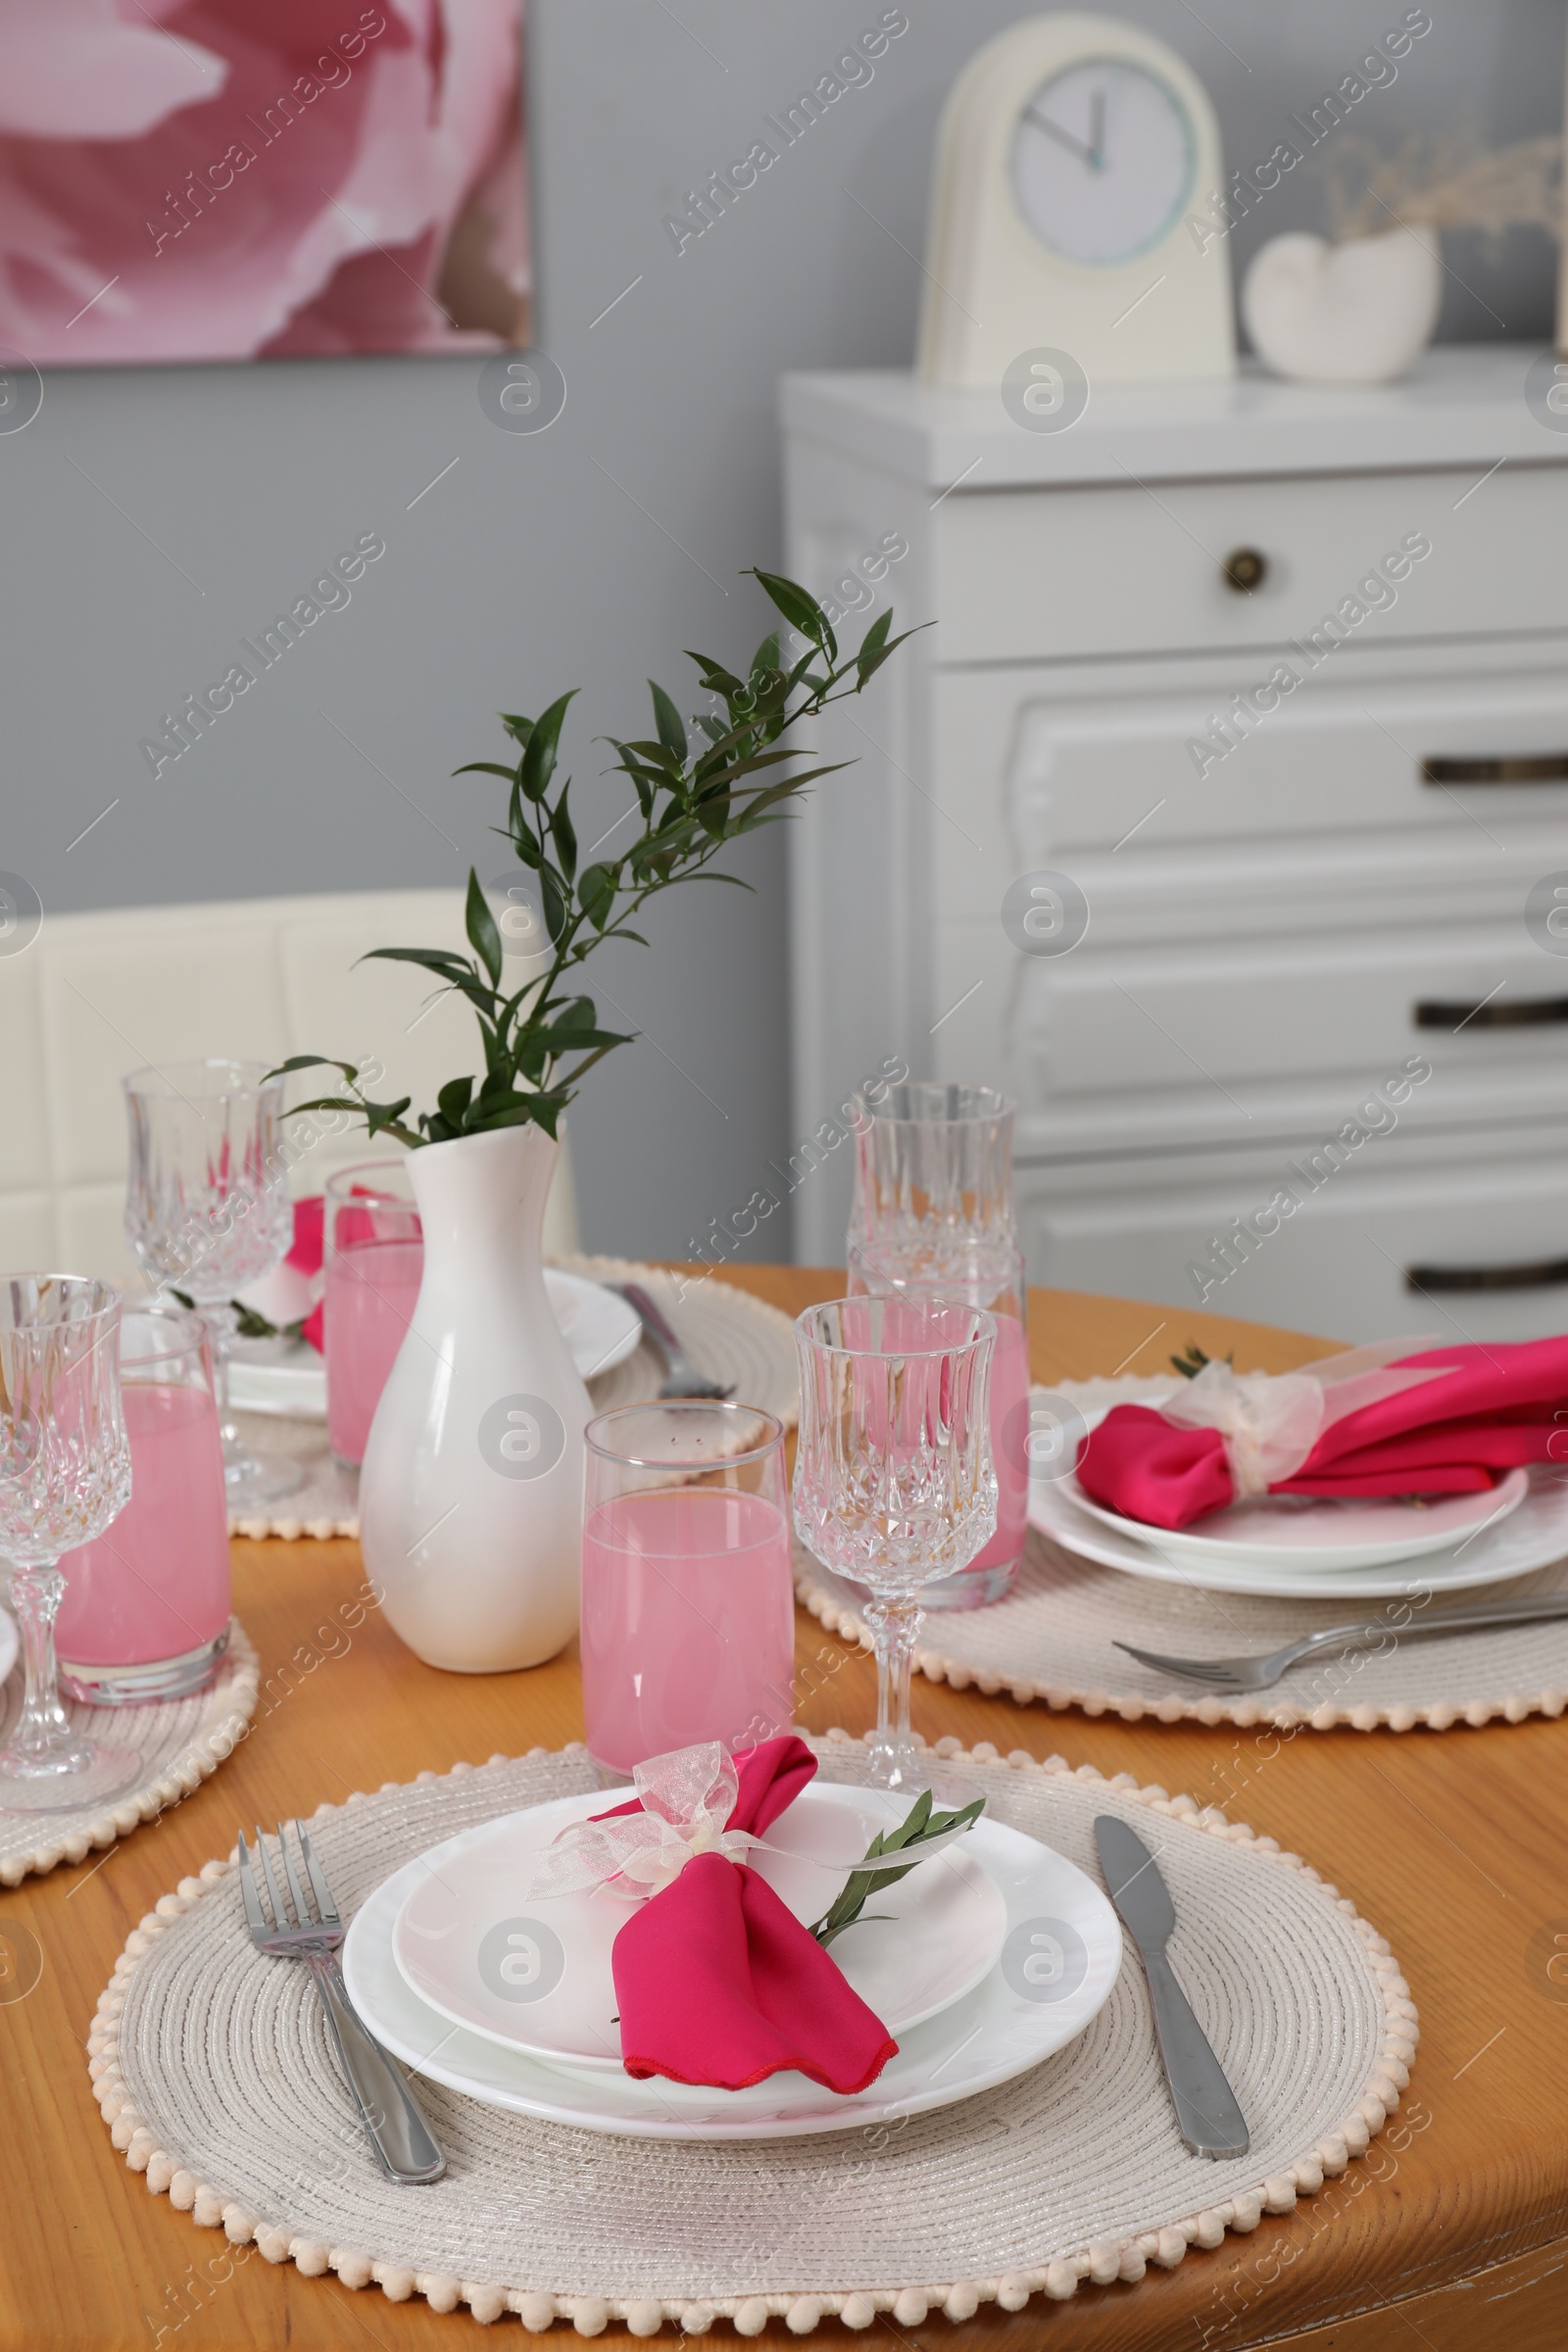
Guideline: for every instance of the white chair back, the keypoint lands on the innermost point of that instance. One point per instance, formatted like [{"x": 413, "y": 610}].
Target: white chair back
[{"x": 96, "y": 996}]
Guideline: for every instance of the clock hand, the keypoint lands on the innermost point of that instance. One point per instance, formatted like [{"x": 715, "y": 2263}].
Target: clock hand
[
  {"x": 1063, "y": 138},
  {"x": 1096, "y": 134}
]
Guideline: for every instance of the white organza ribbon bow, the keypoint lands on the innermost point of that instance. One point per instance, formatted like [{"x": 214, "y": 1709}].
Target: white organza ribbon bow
[
  {"x": 687, "y": 1798},
  {"x": 1271, "y": 1422}
]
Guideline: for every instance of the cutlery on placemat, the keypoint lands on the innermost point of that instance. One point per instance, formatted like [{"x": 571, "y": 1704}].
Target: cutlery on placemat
[
  {"x": 1206, "y": 2112},
  {"x": 1257, "y": 1673},
  {"x": 388, "y": 2109},
  {"x": 681, "y": 1376}
]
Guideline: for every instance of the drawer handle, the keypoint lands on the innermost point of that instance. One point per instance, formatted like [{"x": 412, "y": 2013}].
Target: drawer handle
[
  {"x": 1524, "y": 1012},
  {"x": 1546, "y": 768},
  {"x": 1544, "y": 1274},
  {"x": 1244, "y": 569}
]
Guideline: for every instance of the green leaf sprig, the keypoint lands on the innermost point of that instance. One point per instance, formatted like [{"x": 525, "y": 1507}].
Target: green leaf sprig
[
  {"x": 1191, "y": 1363},
  {"x": 692, "y": 800},
  {"x": 248, "y": 1324},
  {"x": 918, "y": 1827}
]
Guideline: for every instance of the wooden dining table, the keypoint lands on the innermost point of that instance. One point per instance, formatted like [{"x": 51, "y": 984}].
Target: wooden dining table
[{"x": 1453, "y": 2231}]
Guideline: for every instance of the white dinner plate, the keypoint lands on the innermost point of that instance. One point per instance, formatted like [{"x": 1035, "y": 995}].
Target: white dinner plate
[
  {"x": 289, "y": 1378},
  {"x": 1532, "y": 1534},
  {"x": 277, "y": 1376},
  {"x": 1320, "y": 1531},
  {"x": 1059, "y": 1957},
  {"x": 458, "y": 1948}
]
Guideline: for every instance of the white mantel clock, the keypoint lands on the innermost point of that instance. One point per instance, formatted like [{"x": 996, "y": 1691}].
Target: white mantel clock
[{"x": 1071, "y": 153}]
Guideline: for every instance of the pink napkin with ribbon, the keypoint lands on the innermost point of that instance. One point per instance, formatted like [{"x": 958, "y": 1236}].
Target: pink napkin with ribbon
[
  {"x": 1403, "y": 1418},
  {"x": 716, "y": 1981},
  {"x": 288, "y": 1297}
]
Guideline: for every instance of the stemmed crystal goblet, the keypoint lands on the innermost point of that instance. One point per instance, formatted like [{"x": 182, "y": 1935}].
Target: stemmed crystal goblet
[
  {"x": 933, "y": 1168},
  {"x": 208, "y": 1211},
  {"x": 894, "y": 1480},
  {"x": 65, "y": 1474},
  {"x": 987, "y": 1273}
]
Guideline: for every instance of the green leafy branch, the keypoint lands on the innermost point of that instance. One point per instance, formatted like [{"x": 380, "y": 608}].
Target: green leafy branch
[
  {"x": 919, "y": 1827},
  {"x": 248, "y": 1324},
  {"x": 693, "y": 799},
  {"x": 1191, "y": 1363}
]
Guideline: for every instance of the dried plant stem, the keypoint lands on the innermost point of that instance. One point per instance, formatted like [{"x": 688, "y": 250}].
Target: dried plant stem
[{"x": 1450, "y": 181}]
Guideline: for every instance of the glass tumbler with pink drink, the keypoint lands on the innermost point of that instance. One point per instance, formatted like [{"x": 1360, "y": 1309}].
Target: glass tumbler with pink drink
[
  {"x": 688, "y": 1605},
  {"x": 146, "y": 1607},
  {"x": 933, "y": 1217},
  {"x": 373, "y": 1261}
]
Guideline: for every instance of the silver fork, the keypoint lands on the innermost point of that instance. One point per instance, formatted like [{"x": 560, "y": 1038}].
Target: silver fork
[
  {"x": 388, "y": 2109},
  {"x": 681, "y": 1376},
  {"x": 1259, "y": 1674}
]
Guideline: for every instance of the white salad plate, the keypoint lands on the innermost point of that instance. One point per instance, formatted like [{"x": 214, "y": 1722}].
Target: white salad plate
[
  {"x": 1060, "y": 1952},
  {"x": 279, "y": 1376},
  {"x": 1320, "y": 1531},
  {"x": 289, "y": 1378},
  {"x": 545, "y": 1984},
  {"x": 1530, "y": 1531}
]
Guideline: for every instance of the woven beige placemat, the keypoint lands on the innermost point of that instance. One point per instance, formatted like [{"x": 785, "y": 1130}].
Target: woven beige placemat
[
  {"x": 1053, "y": 1641},
  {"x": 739, "y": 1340},
  {"x": 182, "y": 1741},
  {"x": 212, "y": 2067}
]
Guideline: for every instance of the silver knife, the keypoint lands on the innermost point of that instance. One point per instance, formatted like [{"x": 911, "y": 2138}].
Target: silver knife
[{"x": 1206, "y": 2114}]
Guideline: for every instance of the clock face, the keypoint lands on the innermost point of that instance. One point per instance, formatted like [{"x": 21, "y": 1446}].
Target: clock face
[{"x": 1102, "y": 161}]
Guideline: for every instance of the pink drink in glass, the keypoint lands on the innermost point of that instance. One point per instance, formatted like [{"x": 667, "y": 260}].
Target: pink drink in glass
[
  {"x": 373, "y": 1261},
  {"x": 372, "y": 1290},
  {"x": 153, "y": 1592},
  {"x": 688, "y": 1623},
  {"x": 1009, "y": 1388}
]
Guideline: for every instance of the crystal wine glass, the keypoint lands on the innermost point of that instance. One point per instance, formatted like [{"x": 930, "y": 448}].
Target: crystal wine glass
[
  {"x": 65, "y": 1474},
  {"x": 933, "y": 1168},
  {"x": 975, "y": 1273},
  {"x": 208, "y": 1211},
  {"x": 894, "y": 1482}
]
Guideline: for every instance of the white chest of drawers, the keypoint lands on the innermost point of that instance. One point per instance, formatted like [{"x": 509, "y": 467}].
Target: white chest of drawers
[{"x": 1308, "y": 851}]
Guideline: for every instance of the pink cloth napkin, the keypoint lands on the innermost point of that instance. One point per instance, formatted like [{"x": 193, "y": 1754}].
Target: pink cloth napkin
[
  {"x": 1491, "y": 1410},
  {"x": 717, "y": 1979}
]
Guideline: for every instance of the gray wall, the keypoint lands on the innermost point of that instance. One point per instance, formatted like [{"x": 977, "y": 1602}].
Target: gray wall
[{"x": 591, "y": 554}]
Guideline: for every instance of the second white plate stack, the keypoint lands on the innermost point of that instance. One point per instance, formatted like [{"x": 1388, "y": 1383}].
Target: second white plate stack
[{"x": 1320, "y": 1547}]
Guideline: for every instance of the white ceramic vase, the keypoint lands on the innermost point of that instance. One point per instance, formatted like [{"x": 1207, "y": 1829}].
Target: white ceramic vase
[
  {"x": 1354, "y": 314},
  {"x": 470, "y": 1492}
]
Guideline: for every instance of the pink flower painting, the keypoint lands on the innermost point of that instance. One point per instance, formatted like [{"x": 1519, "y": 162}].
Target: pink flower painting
[{"x": 226, "y": 180}]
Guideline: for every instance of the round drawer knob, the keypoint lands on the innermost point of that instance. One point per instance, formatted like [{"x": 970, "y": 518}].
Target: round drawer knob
[{"x": 1244, "y": 569}]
